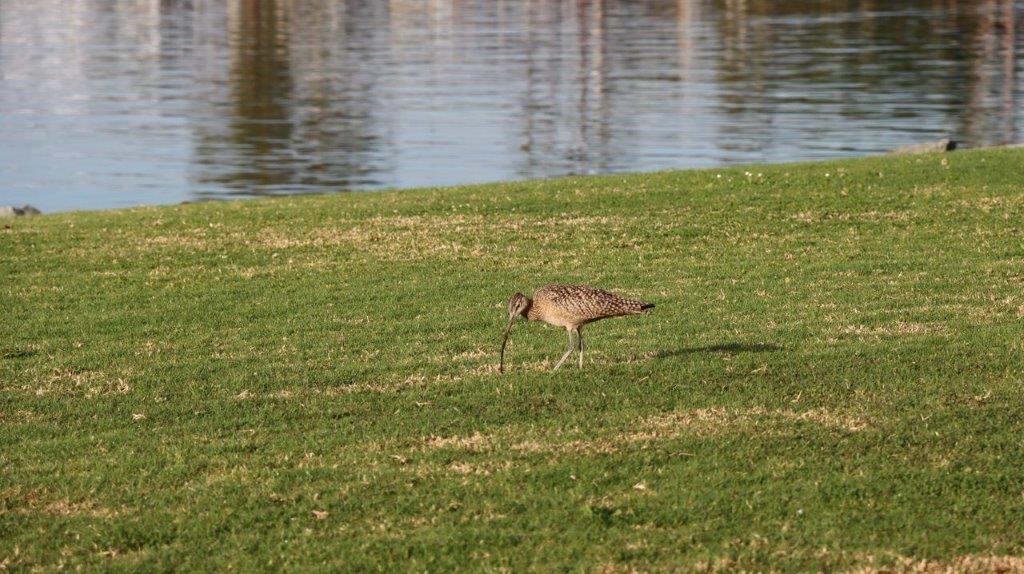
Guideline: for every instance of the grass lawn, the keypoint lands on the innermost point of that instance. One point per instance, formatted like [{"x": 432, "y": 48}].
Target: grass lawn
[{"x": 832, "y": 378}]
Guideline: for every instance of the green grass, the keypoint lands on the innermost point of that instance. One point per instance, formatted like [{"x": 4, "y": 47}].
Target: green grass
[{"x": 832, "y": 377}]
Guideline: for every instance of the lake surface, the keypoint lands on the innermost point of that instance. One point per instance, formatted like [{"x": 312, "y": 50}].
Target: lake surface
[{"x": 111, "y": 103}]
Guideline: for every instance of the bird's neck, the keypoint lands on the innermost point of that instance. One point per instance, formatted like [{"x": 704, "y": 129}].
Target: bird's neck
[{"x": 530, "y": 312}]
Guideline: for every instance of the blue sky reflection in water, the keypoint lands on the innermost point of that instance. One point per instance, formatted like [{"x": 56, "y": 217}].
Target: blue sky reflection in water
[{"x": 108, "y": 103}]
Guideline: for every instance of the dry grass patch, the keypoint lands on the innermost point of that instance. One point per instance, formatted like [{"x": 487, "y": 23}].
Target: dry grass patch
[
  {"x": 987, "y": 204},
  {"x": 90, "y": 509},
  {"x": 897, "y": 329},
  {"x": 150, "y": 348},
  {"x": 299, "y": 393},
  {"x": 480, "y": 469},
  {"x": 862, "y": 217},
  {"x": 196, "y": 239},
  {"x": 693, "y": 422},
  {"x": 477, "y": 353},
  {"x": 392, "y": 238},
  {"x": 66, "y": 508},
  {"x": 475, "y": 443},
  {"x": 970, "y": 564},
  {"x": 387, "y": 238},
  {"x": 74, "y": 382},
  {"x": 698, "y": 422},
  {"x": 718, "y": 418}
]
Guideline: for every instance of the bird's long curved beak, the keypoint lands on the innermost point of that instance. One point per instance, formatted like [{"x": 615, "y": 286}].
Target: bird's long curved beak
[{"x": 501, "y": 363}]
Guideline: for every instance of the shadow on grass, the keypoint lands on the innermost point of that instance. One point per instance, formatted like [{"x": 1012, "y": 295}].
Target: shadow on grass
[
  {"x": 724, "y": 348},
  {"x": 17, "y": 353}
]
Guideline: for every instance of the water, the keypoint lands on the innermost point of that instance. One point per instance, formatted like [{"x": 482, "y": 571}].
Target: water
[{"x": 110, "y": 103}]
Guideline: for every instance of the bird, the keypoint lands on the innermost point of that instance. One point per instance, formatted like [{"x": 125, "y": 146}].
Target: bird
[{"x": 570, "y": 307}]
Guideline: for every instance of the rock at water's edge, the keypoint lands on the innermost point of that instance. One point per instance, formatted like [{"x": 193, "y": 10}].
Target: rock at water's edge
[{"x": 11, "y": 211}]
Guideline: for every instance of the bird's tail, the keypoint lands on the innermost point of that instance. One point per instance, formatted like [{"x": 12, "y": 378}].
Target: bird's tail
[{"x": 637, "y": 307}]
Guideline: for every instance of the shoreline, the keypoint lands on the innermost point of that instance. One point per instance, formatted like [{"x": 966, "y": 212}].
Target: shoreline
[{"x": 925, "y": 148}]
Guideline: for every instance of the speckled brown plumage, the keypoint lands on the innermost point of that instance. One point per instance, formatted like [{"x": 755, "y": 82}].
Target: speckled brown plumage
[{"x": 571, "y": 307}]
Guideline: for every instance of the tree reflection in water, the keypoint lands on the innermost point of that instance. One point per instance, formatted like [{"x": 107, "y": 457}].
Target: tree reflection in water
[{"x": 164, "y": 100}]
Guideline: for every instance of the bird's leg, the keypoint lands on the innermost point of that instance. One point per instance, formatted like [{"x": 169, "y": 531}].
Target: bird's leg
[
  {"x": 566, "y": 355},
  {"x": 579, "y": 338}
]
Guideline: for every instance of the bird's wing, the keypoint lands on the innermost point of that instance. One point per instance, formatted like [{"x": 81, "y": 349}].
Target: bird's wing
[{"x": 586, "y": 302}]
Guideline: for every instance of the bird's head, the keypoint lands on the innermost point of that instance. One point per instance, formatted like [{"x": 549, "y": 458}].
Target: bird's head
[{"x": 518, "y": 305}]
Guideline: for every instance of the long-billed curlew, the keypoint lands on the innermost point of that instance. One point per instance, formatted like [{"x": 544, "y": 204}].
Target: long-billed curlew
[{"x": 569, "y": 306}]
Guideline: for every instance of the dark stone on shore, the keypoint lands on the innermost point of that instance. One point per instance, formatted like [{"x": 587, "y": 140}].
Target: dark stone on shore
[
  {"x": 927, "y": 147},
  {"x": 11, "y": 211}
]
